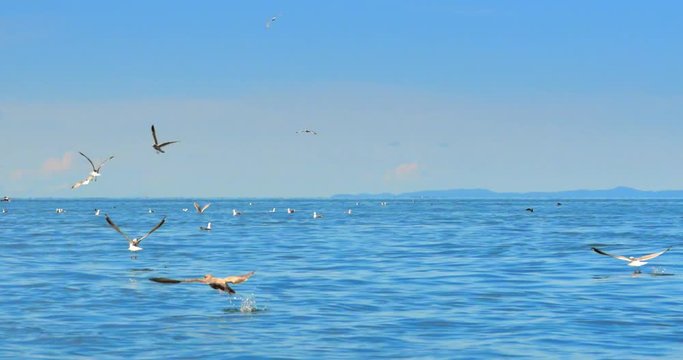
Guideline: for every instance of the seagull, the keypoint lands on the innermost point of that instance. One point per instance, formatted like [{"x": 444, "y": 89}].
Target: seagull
[
  {"x": 95, "y": 169},
  {"x": 97, "y": 212},
  {"x": 200, "y": 209},
  {"x": 633, "y": 261},
  {"x": 85, "y": 181},
  {"x": 134, "y": 242},
  {"x": 290, "y": 211},
  {"x": 207, "y": 227},
  {"x": 348, "y": 212},
  {"x": 316, "y": 215},
  {"x": 272, "y": 210},
  {"x": 236, "y": 213},
  {"x": 4, "y": 211},
  {"x": 59, "y": 210},
  {"x": 158, "y": 147},
  {"x": 185, "y": 209},
  {"x": 150, "y": 211},
  {"x": 270, "y": 21},
  {"x": 530, "y": 209},
  {"x": 6, "y": 198},
  {"x": 307, "y": 131},
  {"x": 208, "y": 279}
]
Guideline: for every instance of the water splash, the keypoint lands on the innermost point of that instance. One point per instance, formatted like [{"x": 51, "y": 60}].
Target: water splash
[{"x": 248, "y": 304}]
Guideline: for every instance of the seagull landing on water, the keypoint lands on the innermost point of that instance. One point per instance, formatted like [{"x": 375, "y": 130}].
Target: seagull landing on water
[
  {"x": 307, "y": 131},
  {"x": 158, "y": 147},
  {"x": 133, "y": 243},
  {"x": 208, "y": 279},
  {"x": 636, "y": 262},
  {"x": 206, "y": 228},
  {"x": 200, "y": 209}
]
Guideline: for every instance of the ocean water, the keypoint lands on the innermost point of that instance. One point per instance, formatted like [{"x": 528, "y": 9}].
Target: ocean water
[{"x": 412, "y": 279}]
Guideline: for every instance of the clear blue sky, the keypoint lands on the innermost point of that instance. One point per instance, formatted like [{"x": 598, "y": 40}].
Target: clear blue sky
[{"x": 405, "y": 95}]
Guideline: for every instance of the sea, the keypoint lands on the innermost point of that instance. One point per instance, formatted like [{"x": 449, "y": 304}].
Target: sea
[{"x": 398, "y": 279}]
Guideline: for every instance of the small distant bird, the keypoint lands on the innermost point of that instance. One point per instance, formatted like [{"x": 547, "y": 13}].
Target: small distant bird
[
  {"x": 272, "y": 210},
  {"x": 530, "y": 209},
  {"x": 270, "y": 21},
  {"x": 633, "y": 261},
  {"x": 307, "y": 131},
  {"x": 208, "y": 279},
  {"x": 206, "y": 228},
  {"x": 290, "y": 211},
  {"x": 7, "y": 199},
  {"x": 4, "y": 211},
  {"x": 200, "y": 209},
  {"x": 85, "y": 181},
  {"x": 558, "y": 204},
  {"x": 348, "y": 212},
  {"x": 97, "y": 212},
  {"x": 59, "y": 210},
  {"x": 185, "y": 209},
  {"x": 158, "y": 147},
  {"x": 317, "y": 215},
  {"x": 236, "y": 213},
  {"x": 150, "y": 211},
  {"x": 133, "y": 243}
]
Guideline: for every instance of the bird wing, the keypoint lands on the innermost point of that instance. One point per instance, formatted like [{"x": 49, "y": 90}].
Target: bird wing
[
  {"x": 205, "y": 207},
  {"x": 103, "y": 162},
  {"x": 111, "y": 223},
  {"x": 167, "y": 143},
  {"x": 174, "y": 281},
  {"x": 90, "y": 161},
  {"x": 652, "y": 256},
  {"x": 82, "y": 182},
  {"x": 153, "y": 229},
  {"x": 154, "y": 135},
  {"x": 238, "y": 278},
  {"x": 614, "y": 256},
  {"x": 196, "y": 206}
]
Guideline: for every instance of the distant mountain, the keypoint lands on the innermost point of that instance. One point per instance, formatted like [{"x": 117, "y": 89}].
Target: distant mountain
[{"x": 620, "y": 192}]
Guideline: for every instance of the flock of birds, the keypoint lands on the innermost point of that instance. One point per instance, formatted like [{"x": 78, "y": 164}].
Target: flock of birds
[{"x": 219, "y": 283}]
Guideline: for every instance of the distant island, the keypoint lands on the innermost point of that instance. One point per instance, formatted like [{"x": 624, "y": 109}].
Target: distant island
[{"x": 620, "y": 192}]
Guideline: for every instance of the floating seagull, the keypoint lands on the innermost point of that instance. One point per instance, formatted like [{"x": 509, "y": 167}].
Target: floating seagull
[
  {"x": 4, "y": 211},
  {"x": 208, "y": 279},
  {"x": 6, "y": 199},
  {"x": 316, "y": 215},
  {"x": 200, "y": 209},
  {"x": 530, "y": 209},
  {"x": 348, "y": 212},
  {"x": 633, "y": 261},
  {"x": 207, "y": 227},
  {"x": 158, "y": 147},
  {"x": 558, "y": 204},
  {"x": 272, "y": 210},
  {"x": 95, "y": 169},
  {"x": 134, "y": 242},
  {"x": 150, "y": 211},
  {"x": 290, "y": 211},
  {"x": 97, "y": 212},
  {"x": 306, "y": 131},
  {"x": 236, "y": 213},
  {"x": 59, "y": 210}
]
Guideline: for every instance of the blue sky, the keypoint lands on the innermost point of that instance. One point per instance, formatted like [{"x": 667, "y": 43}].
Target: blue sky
[{"x": 410, "y": 95}]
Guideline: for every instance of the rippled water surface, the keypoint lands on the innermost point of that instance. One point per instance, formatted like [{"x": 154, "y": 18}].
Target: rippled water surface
[{"x": 412, "y": 279}]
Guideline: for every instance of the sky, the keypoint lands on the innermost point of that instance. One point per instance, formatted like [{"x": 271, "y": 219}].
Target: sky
[{"x": 405, "y": 96}]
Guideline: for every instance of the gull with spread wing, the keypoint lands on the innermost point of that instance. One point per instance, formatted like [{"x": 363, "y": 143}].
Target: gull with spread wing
[
  {"x": 636, "y": 262},
  {"x": 208, "y": 279},
  {"x": 133, "y": 243}
]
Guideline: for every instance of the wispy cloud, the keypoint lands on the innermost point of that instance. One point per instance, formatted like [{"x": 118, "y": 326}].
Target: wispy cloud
[
  {"x": 404, "y": 171},
  {"x": 54, "y": 165}
]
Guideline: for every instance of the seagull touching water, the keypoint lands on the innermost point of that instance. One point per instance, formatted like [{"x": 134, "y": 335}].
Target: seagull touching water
[
  {"x": 636, "y": 262},
  {"x": 208, "y": 279}
]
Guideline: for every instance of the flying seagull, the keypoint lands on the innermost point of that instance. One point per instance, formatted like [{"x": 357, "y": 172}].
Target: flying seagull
[
  {"x": 208, "y": 279},
  {"x": 200, "y": 209},
  {"x": 95, "y": 169},
  {"x": 270, "y": 21},
  {"x": 134, "y": 242},
  {"x": 158, "y": 147},
  {"x": 633, "y": 261},
  {"x": 307, "y": 131}
]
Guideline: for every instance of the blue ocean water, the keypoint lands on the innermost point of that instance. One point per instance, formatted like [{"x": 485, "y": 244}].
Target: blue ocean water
[{"x": 412, "y": 279}]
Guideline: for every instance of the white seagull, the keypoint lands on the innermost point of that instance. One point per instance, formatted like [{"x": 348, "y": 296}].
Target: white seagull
[
  {"x": 270, "y": 21},
  {"x": 158, "y": 147},
  {"x": 207, "y": 227},
  {"x": 133, "y": 244},
  {"x": 272, "y": 210},
  {"x": 97, "y": 212},
  {"x": 236, "y": 213},
  {"x": 200, "y": 209},
  {"x": 307, "y": 131},
  {"x": 633, "y": 261},
  {"x": 290, "y": 211},
  {"x": 317, "y": 215}
]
